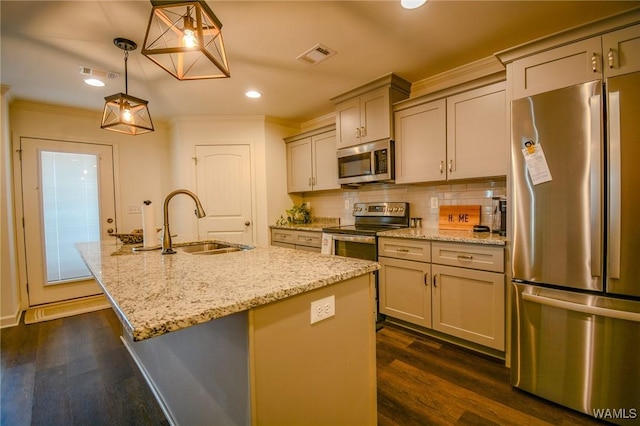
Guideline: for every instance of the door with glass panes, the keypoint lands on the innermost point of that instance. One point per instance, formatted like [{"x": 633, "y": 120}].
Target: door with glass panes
[{"x": 68, "y": 198}]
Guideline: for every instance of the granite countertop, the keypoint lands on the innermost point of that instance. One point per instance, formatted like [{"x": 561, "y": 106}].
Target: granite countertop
[
  {"x": 435, "y": 234},
  {"x": 154, "y": 294}
]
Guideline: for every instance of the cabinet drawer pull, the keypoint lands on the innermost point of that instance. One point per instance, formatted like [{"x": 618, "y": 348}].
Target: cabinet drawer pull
[
  {"x": 357, "y": 132},
  {"x": 403, "y": 250},
  {"x": 435, "y": 284},
  {"x": 308, "y": 239},
  {"x": 610, "y": 58},
  {"x": 363, "y": 131},
  {"x": 426, "y": 278},
  {"x": 450, "y": 166},
  {"x": 465, "y": 257},
  {"x": 441, "y": 167},
  {"x": 594, "y": 62}
]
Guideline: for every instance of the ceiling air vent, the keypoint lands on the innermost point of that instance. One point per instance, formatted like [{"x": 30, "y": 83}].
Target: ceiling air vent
[
  {"x": 88, "y": 71},
  {"x": 316, "y": 54}
]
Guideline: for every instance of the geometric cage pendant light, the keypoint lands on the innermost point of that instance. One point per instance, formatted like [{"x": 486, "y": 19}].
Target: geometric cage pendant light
[
  {"x": 185, "y": 39},
  {"x": 124, "y": 113}
]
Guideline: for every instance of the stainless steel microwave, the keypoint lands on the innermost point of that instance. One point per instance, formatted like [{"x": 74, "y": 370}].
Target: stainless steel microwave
[{"x": 371, "y": 162}]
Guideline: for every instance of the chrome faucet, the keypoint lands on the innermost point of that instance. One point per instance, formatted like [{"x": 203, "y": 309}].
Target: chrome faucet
[{"x": 166, "y": 239}]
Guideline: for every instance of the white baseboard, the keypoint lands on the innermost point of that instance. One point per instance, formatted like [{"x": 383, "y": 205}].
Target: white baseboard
[{"x": 11, "y": 320}]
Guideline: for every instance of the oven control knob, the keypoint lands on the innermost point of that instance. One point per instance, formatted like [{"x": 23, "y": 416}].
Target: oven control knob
[{"x": 401, "y": 209}]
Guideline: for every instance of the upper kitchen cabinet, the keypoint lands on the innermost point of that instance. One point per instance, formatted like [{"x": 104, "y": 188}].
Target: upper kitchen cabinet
[
  {"x": 364, "y": 114},
  {"x": 622, "y": 51},
  {"x": 614, "y": 53},
  {"x": 421, "y": 142},
  {"x": 461, "y": 137},
  {"x": 560, "y": 67},
  {"x": 311, "y": 161},
  {"x": 477, "y": 138}
]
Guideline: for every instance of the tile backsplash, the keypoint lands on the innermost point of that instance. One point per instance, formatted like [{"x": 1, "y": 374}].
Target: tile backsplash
[{"x": 480, "y": 192}]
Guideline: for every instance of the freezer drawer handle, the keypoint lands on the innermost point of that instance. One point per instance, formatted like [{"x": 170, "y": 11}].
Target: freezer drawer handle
[{"x": 577, "y": 307}]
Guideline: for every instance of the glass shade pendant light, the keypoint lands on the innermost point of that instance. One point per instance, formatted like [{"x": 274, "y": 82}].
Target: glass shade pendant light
[
  {"x": 185, "y": 39},
  {"x": 122, "y": 112}
]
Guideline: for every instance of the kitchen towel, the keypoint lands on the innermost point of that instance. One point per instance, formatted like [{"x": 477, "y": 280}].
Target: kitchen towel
[
  {"x": 149, "y": 230},
  {"x": 327, "y": 245}
]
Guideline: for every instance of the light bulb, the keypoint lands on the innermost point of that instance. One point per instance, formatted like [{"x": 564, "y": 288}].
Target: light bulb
[
  {"x": 126, "y": 112},
  {"x": 189, "y": 38}
]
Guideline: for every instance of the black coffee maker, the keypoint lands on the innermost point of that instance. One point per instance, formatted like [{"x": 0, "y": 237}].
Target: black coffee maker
[{"x": 499, "y": 216}]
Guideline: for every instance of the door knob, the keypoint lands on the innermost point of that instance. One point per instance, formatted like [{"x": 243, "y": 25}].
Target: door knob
[
  {"x": 109, "y": 220},
  {"x": 247, "y": 223}
]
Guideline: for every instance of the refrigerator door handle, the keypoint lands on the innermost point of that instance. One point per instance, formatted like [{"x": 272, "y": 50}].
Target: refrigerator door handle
[
  {"x": 595, "y": 186},
  {"x": 585, "y": 309},
  {"x": 614, "y": 185}
]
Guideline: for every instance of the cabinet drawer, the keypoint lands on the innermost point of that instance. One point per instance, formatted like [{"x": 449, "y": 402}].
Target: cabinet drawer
[
  {"x": 407, "y": 249},
  {"x": 282, "y": 236},
  {"x": 309, "y": 239},
  {"x": 469, "y": 256}
]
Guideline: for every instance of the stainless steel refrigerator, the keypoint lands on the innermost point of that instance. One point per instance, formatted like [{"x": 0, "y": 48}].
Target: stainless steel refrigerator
[{"x": 576, "y": 247}]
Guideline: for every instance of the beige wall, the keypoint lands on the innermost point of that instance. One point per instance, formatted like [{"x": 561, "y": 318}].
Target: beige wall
[
  {"x": 480, "y": 192},
  {"x": 267, "y": 148},
  {"x": 9, "y": 286},
  {"x": 140, "y": 162}
]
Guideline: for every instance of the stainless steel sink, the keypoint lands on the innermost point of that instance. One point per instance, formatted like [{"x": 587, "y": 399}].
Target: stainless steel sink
[{"x": 208, "y": 248}]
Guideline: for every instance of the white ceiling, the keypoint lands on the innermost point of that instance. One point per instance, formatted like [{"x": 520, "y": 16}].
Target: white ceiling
[{"x": 45, "y": 42}]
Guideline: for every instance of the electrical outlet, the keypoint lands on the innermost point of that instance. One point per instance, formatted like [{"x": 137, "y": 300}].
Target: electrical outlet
[
  {"x": 346, "y": 204},
  {"x": 308, "y": 204},
  {"x": 322, "y": 309},
  {"x": 434, "y": 202},
  {"x": 134, "y": 209}
]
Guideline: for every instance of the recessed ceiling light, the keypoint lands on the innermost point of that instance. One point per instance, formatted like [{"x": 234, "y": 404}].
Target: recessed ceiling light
[
  {"x": 254, "y": 94},
  {"x": 94, "y": 82},
  {"x": 412, "y": 4}
]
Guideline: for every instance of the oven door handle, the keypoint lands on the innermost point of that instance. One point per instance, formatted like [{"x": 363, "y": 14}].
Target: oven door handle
[{"x": 354, "y": 238}]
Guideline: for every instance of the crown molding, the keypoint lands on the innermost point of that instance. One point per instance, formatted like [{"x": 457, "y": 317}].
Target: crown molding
[{"x": 487, "y": 68}]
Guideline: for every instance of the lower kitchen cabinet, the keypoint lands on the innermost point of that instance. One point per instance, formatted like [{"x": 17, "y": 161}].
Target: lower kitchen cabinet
[
  {"x": 404, "y": 279},
  {"x": 405, "y": 292},
  {"x": 453, "y": 288},
  {"x": 469, "y": 304},
  {"x": 299, "y": 240}
]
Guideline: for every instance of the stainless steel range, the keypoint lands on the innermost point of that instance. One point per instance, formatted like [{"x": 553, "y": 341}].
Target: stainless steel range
[{"x": 360, "y": 239}]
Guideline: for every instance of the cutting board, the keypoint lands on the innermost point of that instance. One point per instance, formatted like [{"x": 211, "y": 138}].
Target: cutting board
[{"x": 459, "y": 217}]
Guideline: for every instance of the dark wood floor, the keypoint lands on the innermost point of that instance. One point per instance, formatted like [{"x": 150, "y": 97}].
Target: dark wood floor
[{"x": 75, "y": 371}]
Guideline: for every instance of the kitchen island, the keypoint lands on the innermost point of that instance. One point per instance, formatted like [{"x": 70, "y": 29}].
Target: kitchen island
[{"x": 227, "y": 339}]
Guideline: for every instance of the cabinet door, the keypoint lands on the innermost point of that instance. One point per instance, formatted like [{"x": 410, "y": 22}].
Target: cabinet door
[
  {"x": 299, "y": 166},
  {"x": 325, "y": 162},
  {"x": 477, "y": 138},
  {"x": 469, "y": 304},
  {"x": 375, "y": 115},
  {"x": 421, "y": 141},
  {"x": 621, "y": 50},
  {"x": 348, "y": 123},
  {"x": 556, "y": 68},
  {"x": 405, "y": 290}
]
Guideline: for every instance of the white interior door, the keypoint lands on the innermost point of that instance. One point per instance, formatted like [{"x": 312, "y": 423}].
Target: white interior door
[
  {"x": 68, "y": 197},
  {"x": 223, "y": 184}
]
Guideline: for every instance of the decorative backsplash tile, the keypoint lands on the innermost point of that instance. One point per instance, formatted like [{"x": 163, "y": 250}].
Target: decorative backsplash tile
[{"x": 332, "y": 203}]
